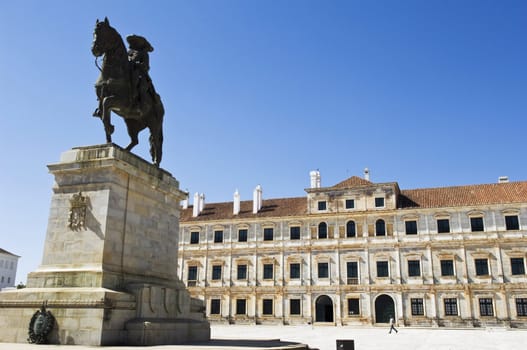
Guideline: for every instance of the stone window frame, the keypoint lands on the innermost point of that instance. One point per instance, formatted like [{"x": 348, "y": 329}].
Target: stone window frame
[
  {"x": 382, "y": 256},
  {"x": 476, "y": 214},
  {"x": 354, "y": 228},
  {"x": 295, "y": 224},
  {"x": 357, "y": 279},
  {"x": 217, "y": 228},
  {"x": 346, "y": 304},
  {"x": 511, "y": 212},
  {"x": 318, "y": 230},
  {"x": 423, "y": 306},
  {"x": 414, "y": 257},
  {"x": 264, "y": 298},
  {"x": 299, "y": 298},
  {"x": 376, "y": 231},
  {"x": 517, "y": 256},
  {"x": 484, "y": 297},
  {"x": 443, "y": 216},
  {"x": 353, "y": 207},
  {"x": 268, "y": 225},
  {"x": 450, "y": 297},
  {"x": 379, "y": 197},
  {"x": 322, "y": 203},
  {"x": 219, "y": 298},
  {"x": 242, "y": 227},
  {"x": 294, "y": 259},
  {"x": 269, "y": 261},
  {"x": 323, "y": 259},
  {"x": 521, "y": 311},
  {"x": 192, "y": 229}
]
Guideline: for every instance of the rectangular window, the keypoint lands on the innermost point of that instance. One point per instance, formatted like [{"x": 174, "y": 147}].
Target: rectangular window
[
  {"x": 294, "y": 232},
  {"x": 447, "y": 268},
  {"x": 521, "y": 306},
  {"x": 476, "y": 224},
  {"x": 241, "y": 272},
  {"x": 443, "y": 225},
  {"x": 511, "y": 222},
  {"x": 294, "y": 270},
  {"x": 242, "y": 235},
  {"x": 411, "y": 227},
  {"x": 417, "y": 307},
  {"x": 218, "y": 236},
  {"x": 414, "y": 268},
  {"x": 268, "y": 271},
  {"x": 485, "y": 307},
  {"x": 294, "y": 306},
  {"x": 267, "y": 306},
  {"x": 323, "y": 270},
  {"x": 382, "y": 269},
  {"x": 353, "y": 307},
  {"x": 268, "y": 234},
  {"x": 194, "y": 237},
  {"x": 192, "y": 276},
  {"x": 215, "y": 306},
  {"x": 379, "y": 202},
  {"x": 322, "y": 205},
  {"x": 450, "y": 306},
  {"x": 517, "y": 266},
  {"x": 350, "y": 203},
  {"x": 216, "y": 272},
  {"x": 352, "y": 272},
  {"x": 482, "y": 267},
  {"x": 241, "y": 306}
]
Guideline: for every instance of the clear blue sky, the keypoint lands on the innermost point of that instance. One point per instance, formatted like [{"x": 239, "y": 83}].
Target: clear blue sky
[{"x": 425, "y": 93}]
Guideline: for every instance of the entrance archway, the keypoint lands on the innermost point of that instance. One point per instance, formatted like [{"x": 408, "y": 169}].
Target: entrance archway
[
  {"x": 384, "y": 309},
  {"x": 324, "y": 309}
]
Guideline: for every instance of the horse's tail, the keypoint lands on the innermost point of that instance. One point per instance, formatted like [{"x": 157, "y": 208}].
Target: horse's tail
[{"x": 156, "y": 131}]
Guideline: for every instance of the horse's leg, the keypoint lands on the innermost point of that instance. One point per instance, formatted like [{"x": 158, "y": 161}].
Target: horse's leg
[
  {"x": 133, "y": 131},
  {"x": 107, "y": 104}
]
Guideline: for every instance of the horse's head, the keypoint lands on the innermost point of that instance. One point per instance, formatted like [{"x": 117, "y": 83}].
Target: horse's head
[{"x": 104, "y": 38}]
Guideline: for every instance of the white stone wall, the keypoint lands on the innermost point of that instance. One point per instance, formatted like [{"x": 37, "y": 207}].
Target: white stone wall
[
  {"x": 428, "y": 247},
  {"x": 8, "y": 267}
]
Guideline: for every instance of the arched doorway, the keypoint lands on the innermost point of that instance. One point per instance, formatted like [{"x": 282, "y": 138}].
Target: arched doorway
[
  {"x": 324, "y": 309},
  {"x": 384, "y": 309}
]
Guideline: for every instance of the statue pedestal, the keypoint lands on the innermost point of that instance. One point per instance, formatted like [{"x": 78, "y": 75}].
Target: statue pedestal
[{"x": 108, "y": 273}]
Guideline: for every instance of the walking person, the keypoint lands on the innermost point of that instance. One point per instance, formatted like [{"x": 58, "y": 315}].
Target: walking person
[{"x": 392, "y": 326}]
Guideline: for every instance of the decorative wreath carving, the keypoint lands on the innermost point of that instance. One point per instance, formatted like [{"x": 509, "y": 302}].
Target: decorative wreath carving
[{"x": 40, "y": 326}]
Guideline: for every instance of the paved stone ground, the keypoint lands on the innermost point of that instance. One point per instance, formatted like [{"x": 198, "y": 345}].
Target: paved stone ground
[{"x": 324, "y": 338}]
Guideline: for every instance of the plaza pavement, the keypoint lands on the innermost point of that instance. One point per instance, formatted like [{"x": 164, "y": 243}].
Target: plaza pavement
[{"x": 324, "y": 338}]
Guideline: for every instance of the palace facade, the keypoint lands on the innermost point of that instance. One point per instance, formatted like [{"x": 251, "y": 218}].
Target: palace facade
[
  {"x": 361, "y": 252},
  {"x": 8, "y": 267}
]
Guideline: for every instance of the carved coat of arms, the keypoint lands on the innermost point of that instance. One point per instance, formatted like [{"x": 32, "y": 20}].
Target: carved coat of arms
[
  {"x": 40, "y": 326},
  {"x": 78, "y": 205}
]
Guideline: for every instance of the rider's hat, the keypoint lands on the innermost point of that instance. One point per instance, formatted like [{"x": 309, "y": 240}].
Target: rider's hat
[{"x": 137, "y": 42}]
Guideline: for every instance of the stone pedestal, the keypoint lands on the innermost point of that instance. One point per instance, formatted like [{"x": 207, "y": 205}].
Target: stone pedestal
[{"x": 108, "y": 273}]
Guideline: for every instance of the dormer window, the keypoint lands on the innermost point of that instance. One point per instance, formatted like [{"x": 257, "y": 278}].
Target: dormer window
[
  {"x": 322, "y": 205},
  {"x": 379, "y": 202}
]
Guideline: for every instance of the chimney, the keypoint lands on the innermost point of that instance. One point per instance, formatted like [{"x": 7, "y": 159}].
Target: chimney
[
  {"x": 195, "y": 208},
  {"x": 257, "y": 199},
  {"x": 503, "y": 179},
  {"x": 201, "y": 202},
  {"x": 236, "y": 205},
  {"x": 367, "y": 174},
  {"x": 184, "y": 203},
  {"x": 315, "y": 178}
]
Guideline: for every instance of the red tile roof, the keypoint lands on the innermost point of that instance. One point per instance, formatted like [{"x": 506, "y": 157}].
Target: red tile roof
[
  {"x": 279, "y": 207},
  {"x": 353, "y": 181},
  {"x": 442, "y": 197}
]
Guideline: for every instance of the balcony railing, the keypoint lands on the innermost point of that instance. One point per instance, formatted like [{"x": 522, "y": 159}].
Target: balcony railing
[{"x": 353, "y": 280}]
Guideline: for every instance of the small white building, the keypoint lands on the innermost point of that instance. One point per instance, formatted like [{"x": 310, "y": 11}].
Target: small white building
[{"x": 8, "y": 266}]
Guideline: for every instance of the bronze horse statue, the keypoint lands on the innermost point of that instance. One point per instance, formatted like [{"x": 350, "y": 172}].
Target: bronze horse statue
[{"x": 124, "y": 87}]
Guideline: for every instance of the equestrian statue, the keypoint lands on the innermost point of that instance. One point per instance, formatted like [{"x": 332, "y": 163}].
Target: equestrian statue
[{"x": 125, "y": 88}]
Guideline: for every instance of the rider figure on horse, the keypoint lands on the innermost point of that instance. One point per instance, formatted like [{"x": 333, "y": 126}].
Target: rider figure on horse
[
  {"x": 138, "y": 51},
  {"x": 140, "y": 81}
]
